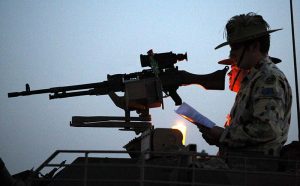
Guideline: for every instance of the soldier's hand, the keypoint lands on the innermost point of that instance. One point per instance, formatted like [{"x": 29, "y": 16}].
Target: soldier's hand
[{"x": 211, "y": 135}]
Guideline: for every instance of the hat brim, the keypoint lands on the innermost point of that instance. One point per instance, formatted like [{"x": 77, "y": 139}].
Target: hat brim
[
  {"x": 247, "y": 38},
  {"x": 226, "y": 62},
  {"x": 231, "y": 61}
]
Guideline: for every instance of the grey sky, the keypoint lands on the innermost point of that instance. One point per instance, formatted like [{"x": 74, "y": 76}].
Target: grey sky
[{"x": 59, "y": 43}]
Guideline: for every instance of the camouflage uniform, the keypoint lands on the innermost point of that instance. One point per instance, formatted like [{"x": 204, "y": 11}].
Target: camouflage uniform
[{"x": 260, "y": 116}]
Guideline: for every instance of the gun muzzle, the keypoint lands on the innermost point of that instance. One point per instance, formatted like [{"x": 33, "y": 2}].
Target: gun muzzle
[{"x": 13, "y": 94}]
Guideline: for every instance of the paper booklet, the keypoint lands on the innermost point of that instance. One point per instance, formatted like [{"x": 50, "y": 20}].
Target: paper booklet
[{"x": 192, "y": 115}]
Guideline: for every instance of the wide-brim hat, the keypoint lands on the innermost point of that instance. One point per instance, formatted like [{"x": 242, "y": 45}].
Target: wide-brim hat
[{"x": 247, "y": 33}]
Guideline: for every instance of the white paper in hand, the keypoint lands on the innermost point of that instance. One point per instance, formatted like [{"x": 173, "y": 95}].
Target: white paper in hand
[{"x": 192, "y": 115}]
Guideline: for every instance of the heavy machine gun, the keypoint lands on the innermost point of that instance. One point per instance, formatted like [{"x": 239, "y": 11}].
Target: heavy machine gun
[
  {"x": 163, "y": 76},
  {"x": 142, "y": 90}
]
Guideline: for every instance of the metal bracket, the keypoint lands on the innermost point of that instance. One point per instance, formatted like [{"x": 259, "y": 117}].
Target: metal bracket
[{"x": 136, "y": 124}]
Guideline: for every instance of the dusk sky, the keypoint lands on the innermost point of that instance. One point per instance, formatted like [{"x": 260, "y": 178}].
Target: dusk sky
[{"x": 59, "y": 43}]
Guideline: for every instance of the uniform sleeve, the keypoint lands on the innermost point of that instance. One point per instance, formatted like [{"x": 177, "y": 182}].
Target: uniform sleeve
[{"x": 265, "y": 121}]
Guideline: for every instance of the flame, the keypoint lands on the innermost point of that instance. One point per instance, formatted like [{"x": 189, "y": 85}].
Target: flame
[{"x": 182, "y": 128}]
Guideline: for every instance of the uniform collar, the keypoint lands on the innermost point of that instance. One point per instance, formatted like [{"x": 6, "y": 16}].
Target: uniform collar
[{"x": 256, "y": 68}]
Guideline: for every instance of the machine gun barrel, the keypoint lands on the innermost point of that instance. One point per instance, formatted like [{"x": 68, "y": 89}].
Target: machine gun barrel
[{"x": 61, "y": 92}]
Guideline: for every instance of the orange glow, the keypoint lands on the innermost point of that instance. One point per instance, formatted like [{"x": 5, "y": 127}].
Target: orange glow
[
  {"x": 228, "y": 120},
  {"x": 182, "y": 128},
  {"x": 187, "y": 118}
]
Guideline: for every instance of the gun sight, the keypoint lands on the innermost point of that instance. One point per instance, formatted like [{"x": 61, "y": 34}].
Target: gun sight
[{"x": 164, "y": 60}]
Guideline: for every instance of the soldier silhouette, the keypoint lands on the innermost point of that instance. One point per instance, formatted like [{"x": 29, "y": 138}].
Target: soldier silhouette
[{"x": 260, "y": 117}]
